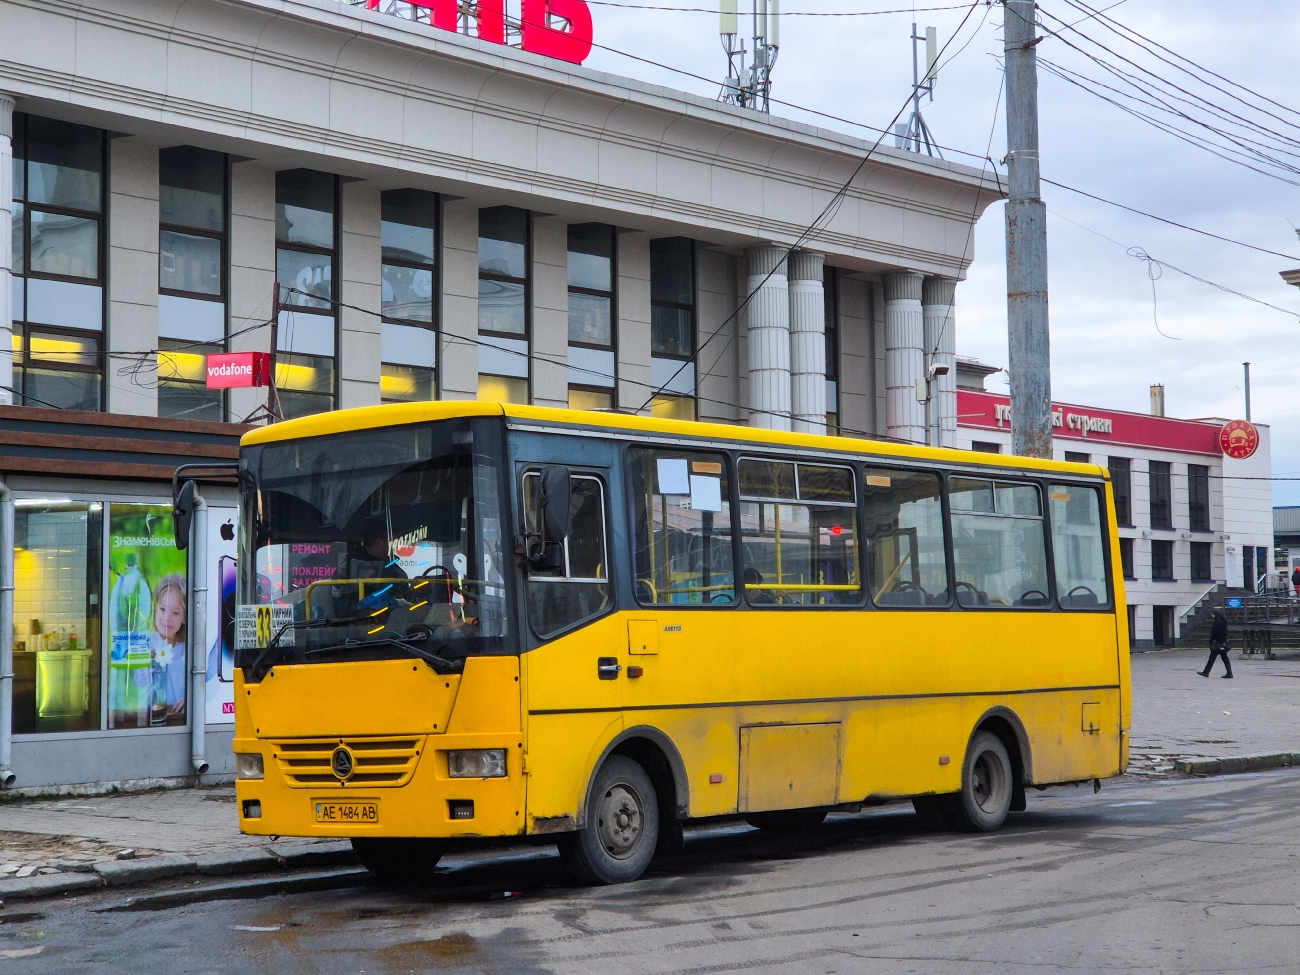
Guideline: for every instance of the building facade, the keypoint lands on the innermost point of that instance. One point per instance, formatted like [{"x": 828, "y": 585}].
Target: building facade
[
  {"x": 1190, "y": 518},
  {"x": 396, "y": 212}
]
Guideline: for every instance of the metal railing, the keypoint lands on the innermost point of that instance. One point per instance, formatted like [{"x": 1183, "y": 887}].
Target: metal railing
[{"x": 1275, "y": 606}]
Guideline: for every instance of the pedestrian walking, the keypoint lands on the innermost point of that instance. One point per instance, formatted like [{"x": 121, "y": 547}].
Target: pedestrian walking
[
  {"x": 1218, "y": 645},
  {"x": 1295, "y": 578}
]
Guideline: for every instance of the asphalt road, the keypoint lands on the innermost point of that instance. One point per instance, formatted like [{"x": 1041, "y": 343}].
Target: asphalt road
[{"x": 1177, "y": 875}]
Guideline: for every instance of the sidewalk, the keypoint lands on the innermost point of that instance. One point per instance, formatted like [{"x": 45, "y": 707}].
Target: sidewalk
[{"x": 53, "y": 846}]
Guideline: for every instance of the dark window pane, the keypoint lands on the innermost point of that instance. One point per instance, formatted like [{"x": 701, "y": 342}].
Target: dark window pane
[
  {"x": 1201, "y": 571},
  {"x": 670, "y": 331},
  {"x": 19, "y": 158},
  {"x": 192, "y": 188},
  {"x": 64, "y": 245},
  {"x": 818, "y": 483},
  {"x": 767, "y": 479},
  {"x": 830, "y": 287},
  {"x": 406, "y": 384},
  {"x": 589, "y": 319},
  {"x": 189, "y": 401},
  {"x": 906, "y": 563},
  {"x": 579, "y": 590},
  {"x": 65, "y": 164},
  {"x": 305, "y": 279},
  {"x": 1161, "y": 507},
  {"x": 672, "y": 270},
  {"x": 64, "y": 389},
  {"x": 501, "y": 307},
  {"x": 503, "y": 241},
  {"x": 187, "y": 262},
  {"x": 1121, "y": 482},
  {"x": 1198, "y": 496},
  {"x": 969, "y": 495},
  {"x": 1126, "y": 557},
  {"x": 1075, "y": 457},
  {"x": 409, "y": 219},
  {"x": 18, "y": 229},
  {"x": 1162, "y": 560},
  {"x": 304, "y": 207},
  {"x": 408, "y": 293},
  {"x": 591, "y": 256}
]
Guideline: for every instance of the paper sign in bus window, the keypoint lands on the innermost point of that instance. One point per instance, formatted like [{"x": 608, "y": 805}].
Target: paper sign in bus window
[
  {"x": 674, "y": 478},
  {"x": 706, "y": 493}
]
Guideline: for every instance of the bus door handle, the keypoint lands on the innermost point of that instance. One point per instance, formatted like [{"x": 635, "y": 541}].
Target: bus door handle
[{"x": 607, "y": 668}]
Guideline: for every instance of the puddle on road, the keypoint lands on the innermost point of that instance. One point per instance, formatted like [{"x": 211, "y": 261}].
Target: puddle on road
[
  {"x": 451, "y": 949},
  {"x": 21, "y": 918}
]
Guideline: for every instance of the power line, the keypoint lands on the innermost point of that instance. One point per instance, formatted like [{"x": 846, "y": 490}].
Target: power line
[{"x": 778, "y": 13}]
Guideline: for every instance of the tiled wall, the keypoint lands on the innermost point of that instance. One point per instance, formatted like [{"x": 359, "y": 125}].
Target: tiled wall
[{"x": 50, "y": 574}]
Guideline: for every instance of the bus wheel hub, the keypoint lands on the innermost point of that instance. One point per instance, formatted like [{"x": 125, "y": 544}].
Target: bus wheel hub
[{"x": 620, "y": 821}]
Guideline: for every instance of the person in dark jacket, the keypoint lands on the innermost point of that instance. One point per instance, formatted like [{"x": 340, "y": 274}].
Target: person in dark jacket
[
  {"x": 1295, "y": 578},
  {"x": 1218, "y": 645}
]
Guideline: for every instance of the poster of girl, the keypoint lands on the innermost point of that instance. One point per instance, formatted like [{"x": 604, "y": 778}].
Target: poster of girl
[{"x": 167, "y": 647}]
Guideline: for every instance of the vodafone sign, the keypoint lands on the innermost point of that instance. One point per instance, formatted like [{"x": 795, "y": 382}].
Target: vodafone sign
[
  {"x": 233, "y": 370},
  {"x": 553, "y": 28}
]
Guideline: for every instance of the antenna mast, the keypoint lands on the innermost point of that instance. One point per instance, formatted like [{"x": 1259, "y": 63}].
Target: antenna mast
[
  {"x": 750, "y": 87},
  {"x": 914, "y": 135}
]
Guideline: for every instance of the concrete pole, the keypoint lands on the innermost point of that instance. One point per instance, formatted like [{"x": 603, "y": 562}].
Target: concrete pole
[
  {"x": 1029, "y": 357},
  {"x": 769, "y": 338},
  {"x": 807, "y": 342},
  {"x": 1246, "y": 367},
  {"x": 6, "y": 636},
  {"x": 904, "y": 357},
  {"x": 937, "y": 296},
  {"x": 6, "y": 249}
]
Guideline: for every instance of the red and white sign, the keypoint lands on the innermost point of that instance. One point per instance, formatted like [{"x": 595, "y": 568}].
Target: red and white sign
[
  {"x": 990, "y": 411},
  {"x": 553, "y": 28},
  {"x": 1238, "y": 439},
  {"x": 233, "y": 370}
]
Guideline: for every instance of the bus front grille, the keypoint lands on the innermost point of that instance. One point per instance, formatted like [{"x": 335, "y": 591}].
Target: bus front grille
[{"x": 376, "y": 762}]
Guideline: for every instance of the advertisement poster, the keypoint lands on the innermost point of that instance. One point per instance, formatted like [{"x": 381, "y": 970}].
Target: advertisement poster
[
  {"x": 147, "y": 609},
  {"x": 220, "y": 694}
]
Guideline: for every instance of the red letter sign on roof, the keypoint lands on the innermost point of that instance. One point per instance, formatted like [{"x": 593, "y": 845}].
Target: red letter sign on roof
[
  {"x": 443, "y": 11},
  {"x": 573, "y": 44}
]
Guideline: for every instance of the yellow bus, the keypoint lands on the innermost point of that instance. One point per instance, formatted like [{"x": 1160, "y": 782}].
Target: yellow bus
[{"x": 465, "y": 620}]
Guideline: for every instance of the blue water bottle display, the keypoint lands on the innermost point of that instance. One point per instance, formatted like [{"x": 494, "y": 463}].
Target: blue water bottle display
[{"x": 130, "y": 617}]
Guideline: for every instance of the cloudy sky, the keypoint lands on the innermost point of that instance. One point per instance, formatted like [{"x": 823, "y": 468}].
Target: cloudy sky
[{"x": 1106, "y": 348}]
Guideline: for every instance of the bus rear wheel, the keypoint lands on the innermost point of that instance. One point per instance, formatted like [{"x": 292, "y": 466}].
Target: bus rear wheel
[
  {"x": 987, "y": 784},
  {"x": 399, "y": 861},
  {"x": 622, "y": 826},
  {"x": 787, "y": 820}
]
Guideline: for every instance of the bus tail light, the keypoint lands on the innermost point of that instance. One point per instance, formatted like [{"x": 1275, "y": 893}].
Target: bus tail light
[
  {"x": 477, "y": 763},
  {"x": 248, "y": 765}
]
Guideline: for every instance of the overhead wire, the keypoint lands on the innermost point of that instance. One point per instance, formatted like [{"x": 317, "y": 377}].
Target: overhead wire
[{"x": 781, "y": 13}]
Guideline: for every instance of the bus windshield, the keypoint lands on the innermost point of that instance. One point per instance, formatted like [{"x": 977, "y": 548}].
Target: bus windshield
[{"x": 374, "y": 544}]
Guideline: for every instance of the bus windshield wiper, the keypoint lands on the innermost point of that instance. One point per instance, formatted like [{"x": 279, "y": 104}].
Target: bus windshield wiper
[
  {"x": 272, "y": 651},
  {"x": 440, "y": 665}
]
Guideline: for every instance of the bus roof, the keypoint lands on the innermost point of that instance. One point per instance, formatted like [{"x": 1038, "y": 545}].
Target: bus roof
[{"x": 398, "y": 414}]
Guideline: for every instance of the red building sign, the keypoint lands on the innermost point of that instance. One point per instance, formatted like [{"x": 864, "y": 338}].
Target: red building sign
[
  {"x": 1238, "y": 439},
  {"x": 553, "y": 28}
]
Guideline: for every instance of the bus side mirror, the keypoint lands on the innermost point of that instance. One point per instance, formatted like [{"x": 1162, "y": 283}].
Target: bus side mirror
[
  {"x": 546, "y": 516},
  {"x": 557, "y": 492},
  {"x": 183, "y": 514}
]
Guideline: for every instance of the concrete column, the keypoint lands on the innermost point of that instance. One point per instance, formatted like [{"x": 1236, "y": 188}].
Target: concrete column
[
  {"x": 769, "y": 338},
  {"x": 550, "y": 338},
  {"x": 252, "y": 271},
  {"x": 857, "y": 367},
  {"x": 458, "y": 323},
  {"x": 360, "y": 335},
  {"x": 716, "y": 389},
  {"x": 878, "y": 373},
  {"x": 941, "y": 348},
  {"x": 807, "y": 342},
  {"x": 633, "y": 337},
  {"x": 132, "y": 324},
  {"x": 6, "y": 249},
  {"x": 904, "y": 357}
]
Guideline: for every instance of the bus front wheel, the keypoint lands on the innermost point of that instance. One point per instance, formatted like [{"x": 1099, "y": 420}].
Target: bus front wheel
[
  {"x": 398, "y": 861},
  {"x": 622, "y": 826},
  {"x": 986, "y": 785}
]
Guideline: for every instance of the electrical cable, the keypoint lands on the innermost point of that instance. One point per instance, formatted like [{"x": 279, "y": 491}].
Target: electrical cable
[{"x": 781, "y": 13}]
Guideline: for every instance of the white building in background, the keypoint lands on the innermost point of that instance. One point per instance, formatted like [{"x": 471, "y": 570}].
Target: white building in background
[{"x": 1190, "y": 518}]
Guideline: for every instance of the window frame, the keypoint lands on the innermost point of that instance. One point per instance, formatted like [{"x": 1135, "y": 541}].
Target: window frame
[
  {"x": 1198, "y": 480},
  {"x": 1209, "y": 561},
  {"x": 1043, "y": 518},
  {"x": 434, "y": 325},
  {"x": 611, "y": 294},
  {"x": 1163, "y": 542},
  {"x": 940, "y": 476},
  {"x": 526, "y": 281},
  {"x": 1164, "y": 478},
  {"x": 1126, "y": 565},
  {"x": 1124, "y": 465},
  {"x": 1107, "y": 555}
]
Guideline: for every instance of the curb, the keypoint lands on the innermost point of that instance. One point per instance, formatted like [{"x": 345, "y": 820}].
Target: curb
[
  {"x": 123, "y": 873},
  {"x": 1237, "y": 765}
]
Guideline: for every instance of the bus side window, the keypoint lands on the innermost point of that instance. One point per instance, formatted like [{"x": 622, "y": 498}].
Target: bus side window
[
  {"x": 579, "y": 589},
  {"x": 906, "y": 562},
  {"x": 682, "y": 528},
  {"x": 999, "y": 550},
  {"x": 1077, "y": 547}
]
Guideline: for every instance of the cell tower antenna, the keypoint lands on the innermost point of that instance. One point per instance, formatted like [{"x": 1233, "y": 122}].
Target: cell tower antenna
[
  {"x": 914, "y": 135},
  {"x": 750, "y": 85}
]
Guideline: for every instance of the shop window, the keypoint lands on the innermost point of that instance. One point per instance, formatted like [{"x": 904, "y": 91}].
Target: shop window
[
  {"x": 1162, "y": 513},
  {"x": 1078, "y": 547},
  {"x": 682, "y": 527},
  {"x": 578, "y": 588},
  {"x": 1121, "y": 484},
  {"x": 409, "y": 350},
  {"x": 1198, "y": 497},
  {"x": 906, "y": 564},
  {"x": 999, "y": 555},
  {"x": 1202, "y": 570},
  {"x": 58, "y": 241},
  {"x": 192, "y": 247},
  {"x": 798, "y": 530},
  {"x": 1162, "y": 560},
  {"x": 306, "y": 232},
  {"x": 57, "y": 590}
]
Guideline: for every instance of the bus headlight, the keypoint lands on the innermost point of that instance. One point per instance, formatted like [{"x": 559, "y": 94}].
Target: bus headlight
[
  {"x": 477, "y": 763},
  {"x": 248, "y": 765}
]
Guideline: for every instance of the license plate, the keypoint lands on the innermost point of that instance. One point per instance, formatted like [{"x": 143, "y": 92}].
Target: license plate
[{"x": 363, "y": 813}]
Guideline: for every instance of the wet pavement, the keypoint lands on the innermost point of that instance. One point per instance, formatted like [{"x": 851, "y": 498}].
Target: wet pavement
[{"x": 1170, "y": 875}]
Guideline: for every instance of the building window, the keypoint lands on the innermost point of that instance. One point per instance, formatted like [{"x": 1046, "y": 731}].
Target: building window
[
  {"x": 1162, "y": 560},
  {"x": 1121, "y": 484},
  {"x": 592, "y": 366},
  {"x": 409, "y": 343},
  {"x": 672, "y": 327},
  {"x": 1074, "y": 457},
  {"x": 192, "y": 242},
  {"x": 1162, "y": 514},
  {"x": 1132, "y": 625},
  {"x": 504, "y": 265},
  {"x": 58, "y": 262},
  {"x": 306, "y": 256},
  {"x": 985, "y": 447},
  {"x": 1163, "y": 625},
  {"x": 1126, "y": 557},
  {"x": 830, "y": 286},
  {"x": 1198, "y": 497},
  {"x": 1201, "y": 571}
]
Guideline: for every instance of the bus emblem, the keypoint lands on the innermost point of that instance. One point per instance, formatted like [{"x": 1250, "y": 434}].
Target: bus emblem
[{"x": 341, "y": 762}]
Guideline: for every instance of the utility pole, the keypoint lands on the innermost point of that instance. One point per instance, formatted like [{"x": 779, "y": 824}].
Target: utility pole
[{"x": 1029, "y": 359}]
